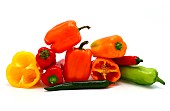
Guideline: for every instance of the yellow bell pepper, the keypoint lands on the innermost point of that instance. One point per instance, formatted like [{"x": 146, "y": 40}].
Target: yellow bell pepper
[{"x": 23, "y": 71}]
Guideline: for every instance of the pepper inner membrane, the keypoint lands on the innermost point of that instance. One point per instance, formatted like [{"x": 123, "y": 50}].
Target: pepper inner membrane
[
  {"x": 103, "y": 70},
  {"x": 28, "y": 76}
]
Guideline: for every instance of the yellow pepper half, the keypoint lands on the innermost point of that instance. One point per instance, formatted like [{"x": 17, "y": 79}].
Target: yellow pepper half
[{"x": 23, "y": 71}]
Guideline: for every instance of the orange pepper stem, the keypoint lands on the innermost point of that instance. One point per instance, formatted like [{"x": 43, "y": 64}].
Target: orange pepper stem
[
  {"x": 88, "y": 27},
  {"x": 82, "y": 44},
  {"x": 118, "y": 45}
]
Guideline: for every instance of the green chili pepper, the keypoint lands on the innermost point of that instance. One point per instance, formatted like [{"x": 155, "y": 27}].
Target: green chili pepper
[
  {"x": 140, "y": 75},
  {"x": 91, "y": 84}
]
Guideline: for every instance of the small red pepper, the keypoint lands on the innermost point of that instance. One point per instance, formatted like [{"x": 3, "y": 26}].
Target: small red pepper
[
  {"x": 63, "y": 36},
  {"x": 77, "y": 64},
  {"x": 45, "y": 57},
  {"x": 52, "y": 76},
  {"x": 127, "y": 60}
]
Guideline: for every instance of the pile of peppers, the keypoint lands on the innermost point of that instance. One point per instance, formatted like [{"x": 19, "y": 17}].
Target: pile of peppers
[
  {"x": 110, "y": 64},
  {"x": 75, "y": 66}
]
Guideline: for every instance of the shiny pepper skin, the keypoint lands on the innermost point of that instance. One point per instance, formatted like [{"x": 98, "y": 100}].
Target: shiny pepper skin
[
  {"x": 45, "y": 57},
  {"x": 140, "y": 75},
  {"x": 53, "y": 75},
  {"x": 63, "y": 36},
  {"x": 127, "y": 60},
  {"x": 77, "y": 64},
  {"x": 109, "y": 47}
]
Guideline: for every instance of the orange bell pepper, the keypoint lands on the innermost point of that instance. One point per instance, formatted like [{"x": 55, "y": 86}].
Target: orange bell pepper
[
  {"x": 105, "y": 69},
  {"x": 109, "y": 47},
  {"x": 63, "y": 36},
  {"x": 77, "y": 64}
]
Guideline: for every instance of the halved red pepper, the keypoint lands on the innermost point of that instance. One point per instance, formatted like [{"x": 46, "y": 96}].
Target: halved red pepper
[
  {"x": 53, "y": 75},
  {"x": 77, "y": 64},
  {"x": 63, "y": 36},
  {"x": 105, "y": 69}
]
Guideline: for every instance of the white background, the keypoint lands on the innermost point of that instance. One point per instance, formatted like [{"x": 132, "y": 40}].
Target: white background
[{"x": 143, "y": 24}]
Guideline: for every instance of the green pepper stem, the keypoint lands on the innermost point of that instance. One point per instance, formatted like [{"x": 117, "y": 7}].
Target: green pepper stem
[
  {"x": 82, "y": 44},
  {"x": 44, "y": 54},
  {"x": 138, "y": 60},
  {"x": 160, "y": 80},
  {"x": 118, "y": 45},
  {"x": 52, "y": 79},
  {"x": 88, "y": 27}
]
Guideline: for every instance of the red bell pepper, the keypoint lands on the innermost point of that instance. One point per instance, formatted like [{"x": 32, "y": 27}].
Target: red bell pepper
[
  {"x": 45, "y": 57},
  {"x": 52, "y": 76},
  {"x": 63, "y": 36},
  {"x": 77, "y": 64}
]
